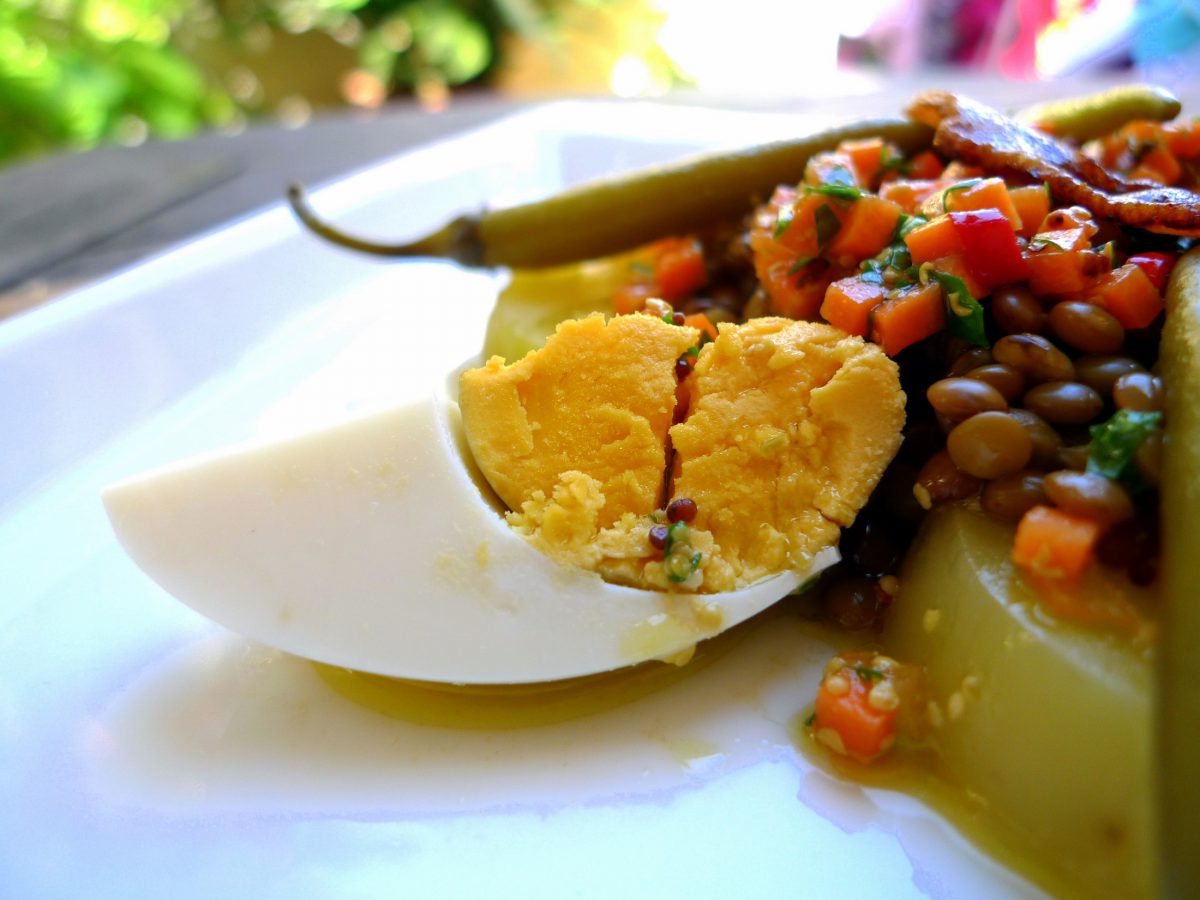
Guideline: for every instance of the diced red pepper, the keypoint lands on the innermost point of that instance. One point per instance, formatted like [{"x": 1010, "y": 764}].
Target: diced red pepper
[
  {"x": 1157, "y": 266},
  {"x": 990, "y": 246}
]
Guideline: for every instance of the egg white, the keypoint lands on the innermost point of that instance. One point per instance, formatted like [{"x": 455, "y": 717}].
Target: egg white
[{"x": 373, "y": 544}]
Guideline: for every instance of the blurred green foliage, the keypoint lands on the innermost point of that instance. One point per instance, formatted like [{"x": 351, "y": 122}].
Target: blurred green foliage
[{"x": 74, "y": 73}]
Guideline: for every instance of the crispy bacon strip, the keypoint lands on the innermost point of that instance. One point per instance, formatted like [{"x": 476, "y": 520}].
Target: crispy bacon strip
[{"x": 982, "y": 136}]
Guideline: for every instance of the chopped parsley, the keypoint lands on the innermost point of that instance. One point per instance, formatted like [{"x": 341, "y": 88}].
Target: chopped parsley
[
  {"x": 836, "y": 190},
  {"x": 868, "y": 674},
  {"x": 964, "y": 315},
  {"x": 827, "y": 225},
  {"x": 679, "y": 559},
  {"x": 1115, "y": 442},
  {"x": 786, "y": 215},
  {"x": 955, "y": 188}
]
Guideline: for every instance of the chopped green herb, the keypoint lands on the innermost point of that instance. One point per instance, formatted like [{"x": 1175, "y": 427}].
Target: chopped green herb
[
  {"x": 955, "y": 188},
  {"x": 840, "y": 191},
  {"x": 800, "y": 263},
  {"x": 890, "y": 161},
  {"x": 1038, "y": 243},
  {"x": 827, "y": 225},
  {"x": 964, "y": 317},
  {"x": 1116, "y": 441},
  {"x": 868, "y": 674},
  {"x": 808, "y": 721},
  {"x": 871, "y": 276},
  {"x": 786, "y": 214},
  {"x": 668, "y": 317},
  {"x": 679, "y": 560},
  {"x": 906, "y": 224},
  {"x": 693, "y": 352}
]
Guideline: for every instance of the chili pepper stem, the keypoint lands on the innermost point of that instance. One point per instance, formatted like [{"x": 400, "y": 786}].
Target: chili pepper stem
[{"x": 457, "y": 240}]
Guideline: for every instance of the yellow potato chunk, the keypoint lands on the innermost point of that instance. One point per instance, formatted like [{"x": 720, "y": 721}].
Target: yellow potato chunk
[
  {"x": 789, "y": 427},
  {"x": 597, "y": 400}
]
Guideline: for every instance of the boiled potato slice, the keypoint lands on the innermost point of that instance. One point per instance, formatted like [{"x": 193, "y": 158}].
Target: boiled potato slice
[
  {"x": 1049, "y": 725},
  {"x": 535, "y": 301}
]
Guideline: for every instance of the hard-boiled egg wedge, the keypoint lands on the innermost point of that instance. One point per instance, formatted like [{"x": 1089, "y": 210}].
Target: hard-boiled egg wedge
[{"x": 370, "y": 544}]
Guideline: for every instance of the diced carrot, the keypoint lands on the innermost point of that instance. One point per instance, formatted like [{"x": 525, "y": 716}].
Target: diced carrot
[
  {"x": 1158, "y": 164},
  {"x": 1032, "y": 203},
  {"x": 910, "y": 195},
  {"x": 848, "y": 303},
  {"x": 866, "y": 156},
  {"x": 867, "y": 228},
  {"x": 826, "y": 168},
  {"x": 1183, "y": 138},
  {"x": 1065, "y": 238},
  {"x": 909, "y": 317},
  {"x": 934, "y": 239},
  {"x": 797, "y": 295},
  {"x": 1130, "y": 295},
  {"x": 843, "y": 709},
  {"x": 991, "y": 193},
  {"x": 1055, "y": 545},
  {"x": 630, "y": 298},
  {"x": 925, "y": 164},
  {"x": 956, "y": 264},
  {"x": 960, "y": 171},
  {"x": 679, "y": 268},
  {"x": 702, "y": 322},
  {"x": 1057, "y": 272}
]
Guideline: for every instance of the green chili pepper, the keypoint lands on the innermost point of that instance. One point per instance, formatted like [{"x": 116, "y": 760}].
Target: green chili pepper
[
  {"x": 1093, "y": 116},
  {"x": 615, "y": 214},
  {"x": 1179, "y": 663}
]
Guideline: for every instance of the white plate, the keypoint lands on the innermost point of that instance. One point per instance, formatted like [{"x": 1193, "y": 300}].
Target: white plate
[{"x": 147, "y": 753}]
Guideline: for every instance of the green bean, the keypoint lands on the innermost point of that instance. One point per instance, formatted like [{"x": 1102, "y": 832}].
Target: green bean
[
  {"x": 1084, "y": 118},
  {"x": 615, "y": 214},
  {"x": 1179, "y": 661}
]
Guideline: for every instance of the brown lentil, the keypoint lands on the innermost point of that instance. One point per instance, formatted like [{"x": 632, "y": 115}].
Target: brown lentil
[
  {"x": 1086, "y": 327},
  {"x": 1034, "y": 356},
  {"x": 960, "y": 398},
  {"x": 678, "y": 318},
  {"x": 941, "y": 481},
  {"x": 990, "y": 445},
  {"x": 1074, "y": 457},
  {"x": 1064, "y": 402},
  {"x": 852, "y": 602},
  {"x": 1046, "y": 441},
  {"x": 966, "y": 360},
  {"x": 1087, "y": 494},
  {"x": 1010, "y": 497},
  {"x": 1017, "y": 311},
  {"x": 1100, "y": 373},
  {"x": 682, "y": 509},
  {"x": 1007, "y": 380},
  {"x": 683, "y": 367},
  {"x": 1138, "y": 391},
  {"x": 1148, "y": 458}
]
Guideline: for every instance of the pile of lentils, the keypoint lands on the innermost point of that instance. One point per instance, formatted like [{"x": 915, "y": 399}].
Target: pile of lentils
[{"x": 1009, "y": 426}]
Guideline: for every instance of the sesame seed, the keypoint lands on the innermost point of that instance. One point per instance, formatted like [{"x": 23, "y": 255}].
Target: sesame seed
[
  {"x": 956, "y": 705},
  {"x": 837, "y": 685},
  {"x": 883, "y": 697}
]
